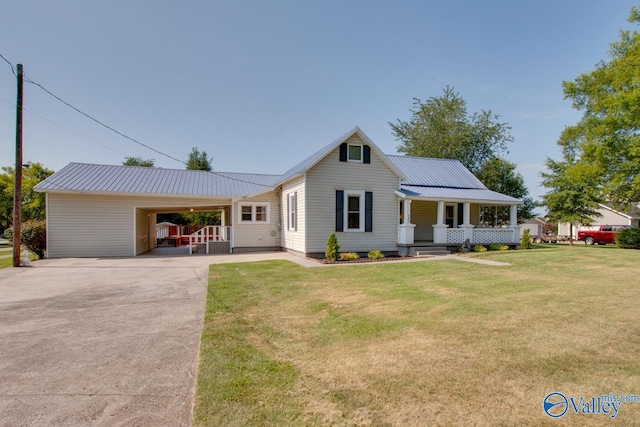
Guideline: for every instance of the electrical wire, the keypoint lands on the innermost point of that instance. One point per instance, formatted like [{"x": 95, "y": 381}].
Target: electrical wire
[{"x": 30, "y": 81}]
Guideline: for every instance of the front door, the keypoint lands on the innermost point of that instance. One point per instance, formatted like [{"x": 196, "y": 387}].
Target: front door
[{"x": 450, "y": 215}]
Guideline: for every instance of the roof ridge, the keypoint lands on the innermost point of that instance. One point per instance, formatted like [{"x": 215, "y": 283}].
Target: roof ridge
[
  {"x": 172, "y": 169},
  {"x": 420, "y": 157}
]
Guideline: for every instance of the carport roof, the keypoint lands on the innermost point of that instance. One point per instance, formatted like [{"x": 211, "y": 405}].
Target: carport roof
[{"x": 92, "y": 178}]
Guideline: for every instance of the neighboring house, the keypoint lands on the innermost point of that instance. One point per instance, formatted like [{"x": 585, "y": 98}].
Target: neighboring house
[
  {"x": 610, "y": 216},
  {"x": 369, "y": 199},
  {"x": 534, "y": 225}
]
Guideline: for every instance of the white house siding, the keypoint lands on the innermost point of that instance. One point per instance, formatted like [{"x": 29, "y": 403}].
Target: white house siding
[
  {"x": 251, "y": 236},
  {"x": 143, "y": 222},
  {"x": 86, "y": 225},
  {"x": 329, "y": 175},
  {"x": 294, "y": 240}
]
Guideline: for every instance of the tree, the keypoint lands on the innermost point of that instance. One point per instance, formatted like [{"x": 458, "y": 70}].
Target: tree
[
  {"x": 607, "y": 136},
  {"x": 138, "y": 161},
  {"x": 33, "y": 203},
  {"x": 199, "y": 161},
  {"x": 441, "y": 128},
  {"x": 500, "y": 175},
  {"x": 572, "y": 195}
]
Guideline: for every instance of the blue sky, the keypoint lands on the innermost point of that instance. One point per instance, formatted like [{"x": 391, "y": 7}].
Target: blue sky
[{"x": 261, "y": 85}]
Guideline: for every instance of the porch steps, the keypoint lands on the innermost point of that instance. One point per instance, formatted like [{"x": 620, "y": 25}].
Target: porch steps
[{"x": 425, "y": 251}]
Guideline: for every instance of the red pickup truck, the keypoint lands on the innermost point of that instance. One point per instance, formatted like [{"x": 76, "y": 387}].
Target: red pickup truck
[{"x": 603, "y": 235}]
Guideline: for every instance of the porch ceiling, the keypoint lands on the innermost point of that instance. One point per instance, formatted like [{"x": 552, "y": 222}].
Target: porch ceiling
[{"x": 456, "y": 195}]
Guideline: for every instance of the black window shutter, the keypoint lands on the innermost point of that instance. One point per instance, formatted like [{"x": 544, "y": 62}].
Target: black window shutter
[
  {"x": 460, "y": 213},
  {"x": 295, "y": 211},
  {"x": 366, "y": 154},
  {"x": 288, "y": 214},
  {"x": 368, "y": 211},
  {"x": 343, "y": 152},
  {"x": 339, "y": 210}
]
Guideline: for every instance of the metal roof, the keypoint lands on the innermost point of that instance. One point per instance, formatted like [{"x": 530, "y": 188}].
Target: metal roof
[
  {"x": 430, "y": 172},
  {"x": 312, "y": 160},
  {"x": 91, "y": 178},
  {"x": 457, "y": 194}
]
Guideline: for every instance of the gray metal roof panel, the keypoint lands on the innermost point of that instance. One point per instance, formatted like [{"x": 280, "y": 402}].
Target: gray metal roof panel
[
  {"x": 457, "y": 194},
  {"x": 82, "y": 177},
  {"x": 435, "y": 172}
]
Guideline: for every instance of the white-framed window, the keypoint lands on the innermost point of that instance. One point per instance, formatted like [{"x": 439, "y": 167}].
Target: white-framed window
[
  {"x": 354, "y": 153},
  {"x": 257, "y": 212},
  {"x": 354, "y": 210},
  {"x": 292, "y": 211}
]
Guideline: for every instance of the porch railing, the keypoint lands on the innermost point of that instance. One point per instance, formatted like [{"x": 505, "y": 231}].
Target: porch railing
[
  {"x": 209, "y": 233},
  {"x": 494, "y": 235},
  {"x": 481, "y": 235}
]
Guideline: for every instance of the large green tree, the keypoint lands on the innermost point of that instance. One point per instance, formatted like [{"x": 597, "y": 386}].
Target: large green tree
[
  {"x": 573, "y": 195},
  {"x": 440, "y": 127},
  {"x": 607, "y": 137},
  {"x": 198, "y": 160},
  {"x": 33, "y": 203},
  {"x": 500, "y": 175}
]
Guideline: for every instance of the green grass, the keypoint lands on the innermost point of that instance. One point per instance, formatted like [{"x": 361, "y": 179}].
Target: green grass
[{"x": 425, "y": 343}]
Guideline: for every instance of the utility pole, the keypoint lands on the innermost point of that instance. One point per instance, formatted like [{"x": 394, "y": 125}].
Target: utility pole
[{"x": 17, "y": 191}]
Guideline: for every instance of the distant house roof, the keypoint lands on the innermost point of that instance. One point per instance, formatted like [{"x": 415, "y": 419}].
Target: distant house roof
[
  {"x": 315, "y": 158},
  {"x": 631, "y": 212},
  {"x": 90, "y": 178}
]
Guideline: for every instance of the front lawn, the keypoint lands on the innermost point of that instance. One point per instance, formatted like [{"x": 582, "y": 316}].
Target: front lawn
[{"x": 423, "y": 343}]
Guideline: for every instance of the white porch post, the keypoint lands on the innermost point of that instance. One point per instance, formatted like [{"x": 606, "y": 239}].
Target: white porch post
[
  {"x": 223, "y": 218},
  {"x": 440, "y": 228},
  {"x": 407, "y": 212},
  {"x": 466, "y": 225},
  {"x": 406, "y": 229},
  {"x": 513, "y": 216},
  {"x": 513, "y": 222}
]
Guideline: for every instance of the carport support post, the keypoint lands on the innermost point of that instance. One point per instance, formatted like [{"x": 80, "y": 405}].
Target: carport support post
[{"x": 17, "y": 191}]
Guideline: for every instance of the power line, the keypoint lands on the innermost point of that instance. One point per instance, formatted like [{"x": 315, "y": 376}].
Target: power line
[
  {"x": 13, "y": 70},
  {"x": 28, "y": 80},
  {"x": 67, "y": 129}
]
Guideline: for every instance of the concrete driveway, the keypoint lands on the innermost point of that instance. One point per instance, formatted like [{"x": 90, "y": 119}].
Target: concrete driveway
[{"x": 101, "y": 341}]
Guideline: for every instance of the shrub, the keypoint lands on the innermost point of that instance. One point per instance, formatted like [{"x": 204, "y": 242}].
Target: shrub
[
  {"x": 33, "y": 235},
  {"x": 629, "y": 238},
  {"x": 498, "y": 247},
  {"x": 479, "y": 248},
  {"x": 375, "y": 254},
  {"x": 331, "y": 251},
  {"x": 349, "y": 256},
  {"x": 525, "y": 240}
]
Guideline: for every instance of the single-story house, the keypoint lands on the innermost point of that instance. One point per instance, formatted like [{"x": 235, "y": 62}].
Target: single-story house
[
  {"x": 611, "y": 215},
  {"x": 350, "y": 187}
]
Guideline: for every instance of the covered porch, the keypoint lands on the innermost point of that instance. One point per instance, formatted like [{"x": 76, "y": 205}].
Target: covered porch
[{"x": 426, "y": 221}]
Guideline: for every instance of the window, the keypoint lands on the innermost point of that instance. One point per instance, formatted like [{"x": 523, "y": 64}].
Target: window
[
  {"x": 246, "y": 214},
  {"x": 354, "y": 210},
  {"x": 254, "y": 212},
  {"x": 355, "y": 153},
  {"x": 292, "y": 211}
]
